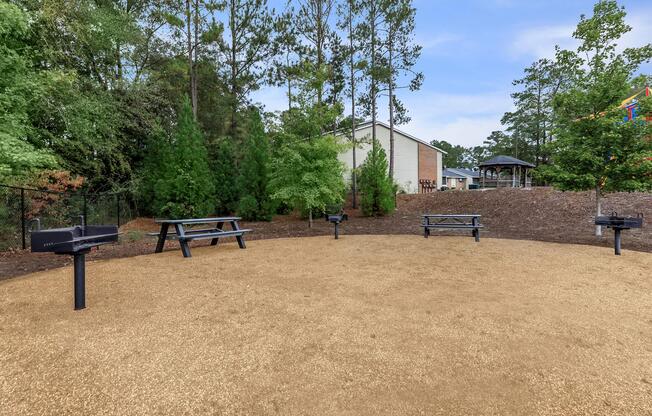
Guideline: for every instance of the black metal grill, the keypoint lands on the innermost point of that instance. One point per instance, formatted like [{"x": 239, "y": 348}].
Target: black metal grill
[
  {"x": 75, "y": 241},
  {"x": 337, "y": 219},
  {"x": 618, "y": 224}
]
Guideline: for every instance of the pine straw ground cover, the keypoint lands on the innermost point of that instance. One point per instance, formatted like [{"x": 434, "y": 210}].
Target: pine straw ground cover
[
  {"x": 541, "y": 214},
  {"x": 362, "y": 325}
]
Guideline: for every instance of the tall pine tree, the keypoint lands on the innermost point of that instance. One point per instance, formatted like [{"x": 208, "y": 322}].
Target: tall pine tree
[
  {"x": 185, "y": 188},
  {"x": 255, "y": 203},
  {"x": 377, "y": 188}
]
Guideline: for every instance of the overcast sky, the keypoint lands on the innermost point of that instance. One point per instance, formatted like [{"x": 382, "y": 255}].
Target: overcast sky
[{"x": 473, "y": 49}]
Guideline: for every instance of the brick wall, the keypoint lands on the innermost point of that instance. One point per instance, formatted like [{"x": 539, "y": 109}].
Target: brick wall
[{"x": 428, "y": 168}]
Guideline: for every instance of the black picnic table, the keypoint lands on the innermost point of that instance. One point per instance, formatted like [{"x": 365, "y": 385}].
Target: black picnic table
[
  {"x": 452, "y": 221},
  {"x": 185, "y": 235}
]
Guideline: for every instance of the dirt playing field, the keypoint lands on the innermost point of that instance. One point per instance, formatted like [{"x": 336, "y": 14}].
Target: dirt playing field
[{"x": 363, "y": 325}]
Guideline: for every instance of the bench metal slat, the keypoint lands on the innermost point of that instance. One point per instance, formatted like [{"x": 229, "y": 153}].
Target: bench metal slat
[
  {"x": 197, "y": 220},
  {"x": 451, "y": 226},
  {"x": 205, "y": 236}
]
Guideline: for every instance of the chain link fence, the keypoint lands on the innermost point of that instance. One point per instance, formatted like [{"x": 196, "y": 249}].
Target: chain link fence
[{"x": 21, "y": 207}]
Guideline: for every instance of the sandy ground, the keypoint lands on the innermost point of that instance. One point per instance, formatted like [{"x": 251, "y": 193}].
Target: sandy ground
[{"x": 364, "y": 325}]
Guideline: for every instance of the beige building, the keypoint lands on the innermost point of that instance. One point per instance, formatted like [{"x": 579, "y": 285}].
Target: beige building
[
  {"x": 414, "y": 159},
  {"x": 458, "y": 178}
]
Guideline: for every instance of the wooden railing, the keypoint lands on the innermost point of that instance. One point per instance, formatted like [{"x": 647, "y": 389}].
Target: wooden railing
[{"x": 503, "y": 183}]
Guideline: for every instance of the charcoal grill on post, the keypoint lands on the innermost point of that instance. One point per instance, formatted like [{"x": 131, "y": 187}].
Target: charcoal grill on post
[
  {"x": 618, "y": 224},
  {"x": 75, "y": 241},
  {"x": 337, "y": 219}
]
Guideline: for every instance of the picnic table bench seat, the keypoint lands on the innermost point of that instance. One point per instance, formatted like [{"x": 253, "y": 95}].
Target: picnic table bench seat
[
  {"x": 452, "y": 221},
  {"x": 185, "y": 235}
]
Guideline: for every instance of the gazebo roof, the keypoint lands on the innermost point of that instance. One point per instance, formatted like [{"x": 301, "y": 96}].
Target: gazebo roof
[{"x": 505, "y": 161}]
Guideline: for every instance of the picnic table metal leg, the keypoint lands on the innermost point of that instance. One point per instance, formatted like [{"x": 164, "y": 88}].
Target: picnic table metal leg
[
  {"x": 161, "y": 238},
  {"x": 426, "y": 230},
  {"x": 185, "y": 249},
  {"x": 236, "y": 227},
  {"x": 216, "y": 239},
  {"x": 476, "y": 230}
]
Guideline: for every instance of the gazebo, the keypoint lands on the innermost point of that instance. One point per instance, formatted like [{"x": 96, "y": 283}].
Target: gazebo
[{"x": 505, "y": 172}]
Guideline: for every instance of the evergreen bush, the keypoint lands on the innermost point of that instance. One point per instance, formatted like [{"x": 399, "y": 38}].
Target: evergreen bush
[{"x": 377, "y": 189}]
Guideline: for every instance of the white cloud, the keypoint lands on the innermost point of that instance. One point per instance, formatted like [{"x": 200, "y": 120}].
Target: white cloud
[
  {"x": 641, "y": 34},
  {"x": 435, "y": 43},
  {"x": 539, "y": 42},
  {"x": 465, "y": 131},
  {"x": 465, "y": 119}
]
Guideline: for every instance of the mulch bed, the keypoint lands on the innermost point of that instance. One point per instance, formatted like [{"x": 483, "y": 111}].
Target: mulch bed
[{"x": 538, "y": 214}]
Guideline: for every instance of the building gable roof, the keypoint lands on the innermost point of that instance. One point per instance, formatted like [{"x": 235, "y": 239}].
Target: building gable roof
[{"x": 367, "y": 124}]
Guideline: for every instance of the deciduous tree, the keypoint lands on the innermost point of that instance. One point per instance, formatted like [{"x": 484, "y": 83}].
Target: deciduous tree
[{"x": 594, "y": 148}]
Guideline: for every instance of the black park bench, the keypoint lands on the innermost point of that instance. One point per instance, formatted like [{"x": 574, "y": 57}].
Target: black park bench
[
  {"x": 185, "y": 235},
  {"x": 452, "y": 221}
]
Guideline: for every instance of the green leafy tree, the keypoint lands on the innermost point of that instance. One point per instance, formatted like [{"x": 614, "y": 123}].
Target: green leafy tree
[
  {"x": 20, "y": 87},
  {"x": 531, "y": 124},
  {"x": 185, "y": 188},
  {"x": 307, "y": 175},
  {"x": 158, "y": 159},
  {"x": 313, "y": 26},
  {"x": 375, "y": 71},
  {"x": 255, "y": 203},
  {"x": 247, "y": 45},
  {"x": 225, "y": 173},
  {"x": 594, "y": 147},
  {"x": 377, "y": 188},
  {"x": 349, "y": 23},
  {"x": 402, "y": 56},
  {"x": 456, "y": 156}
]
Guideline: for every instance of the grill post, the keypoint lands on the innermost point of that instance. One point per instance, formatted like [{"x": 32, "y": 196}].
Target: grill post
[
  {"x": 617, "y": 239},
  {"x": 80, "y": 281},
  {"x": 337, "y": 234},
  {"x": 22, "y": 217}
]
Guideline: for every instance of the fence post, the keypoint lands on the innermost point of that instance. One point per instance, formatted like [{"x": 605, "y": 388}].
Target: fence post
[
  {"x": 117, "y": 205},
  {"x": 22, "y": 216}
]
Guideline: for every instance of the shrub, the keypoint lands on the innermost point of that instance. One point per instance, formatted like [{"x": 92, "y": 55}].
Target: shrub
[
  {"x": 377, "y": 189},
  {"x": 183, "y": 187},
  {"x": 308, "y": 176},
  {"x": 255, "y": 203}
]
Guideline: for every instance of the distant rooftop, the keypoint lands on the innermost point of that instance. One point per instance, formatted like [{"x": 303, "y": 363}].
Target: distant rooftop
[
  {"x": 450, "y": 173},
  {"x": 466, "y": 172},
  {"x": 505, "y": 161}
]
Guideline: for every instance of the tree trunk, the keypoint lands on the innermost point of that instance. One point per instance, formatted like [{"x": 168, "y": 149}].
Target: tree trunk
[
  {"x": 234, "y": 69},
  {"x": 195, "y": 95},
  {"x": 118, "y": 56},
  {"x": 391, "y": 112},
  {"x": 310, "y": 218},
  {"x": 598, "y": 210},
  {"x": 373, "y": 76},
  {"x": 354, "y": 179},
  {"x": 191, "y": 70},
  {"x": 319, "y": 40},
  {"x": 289, "y": 81}
]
